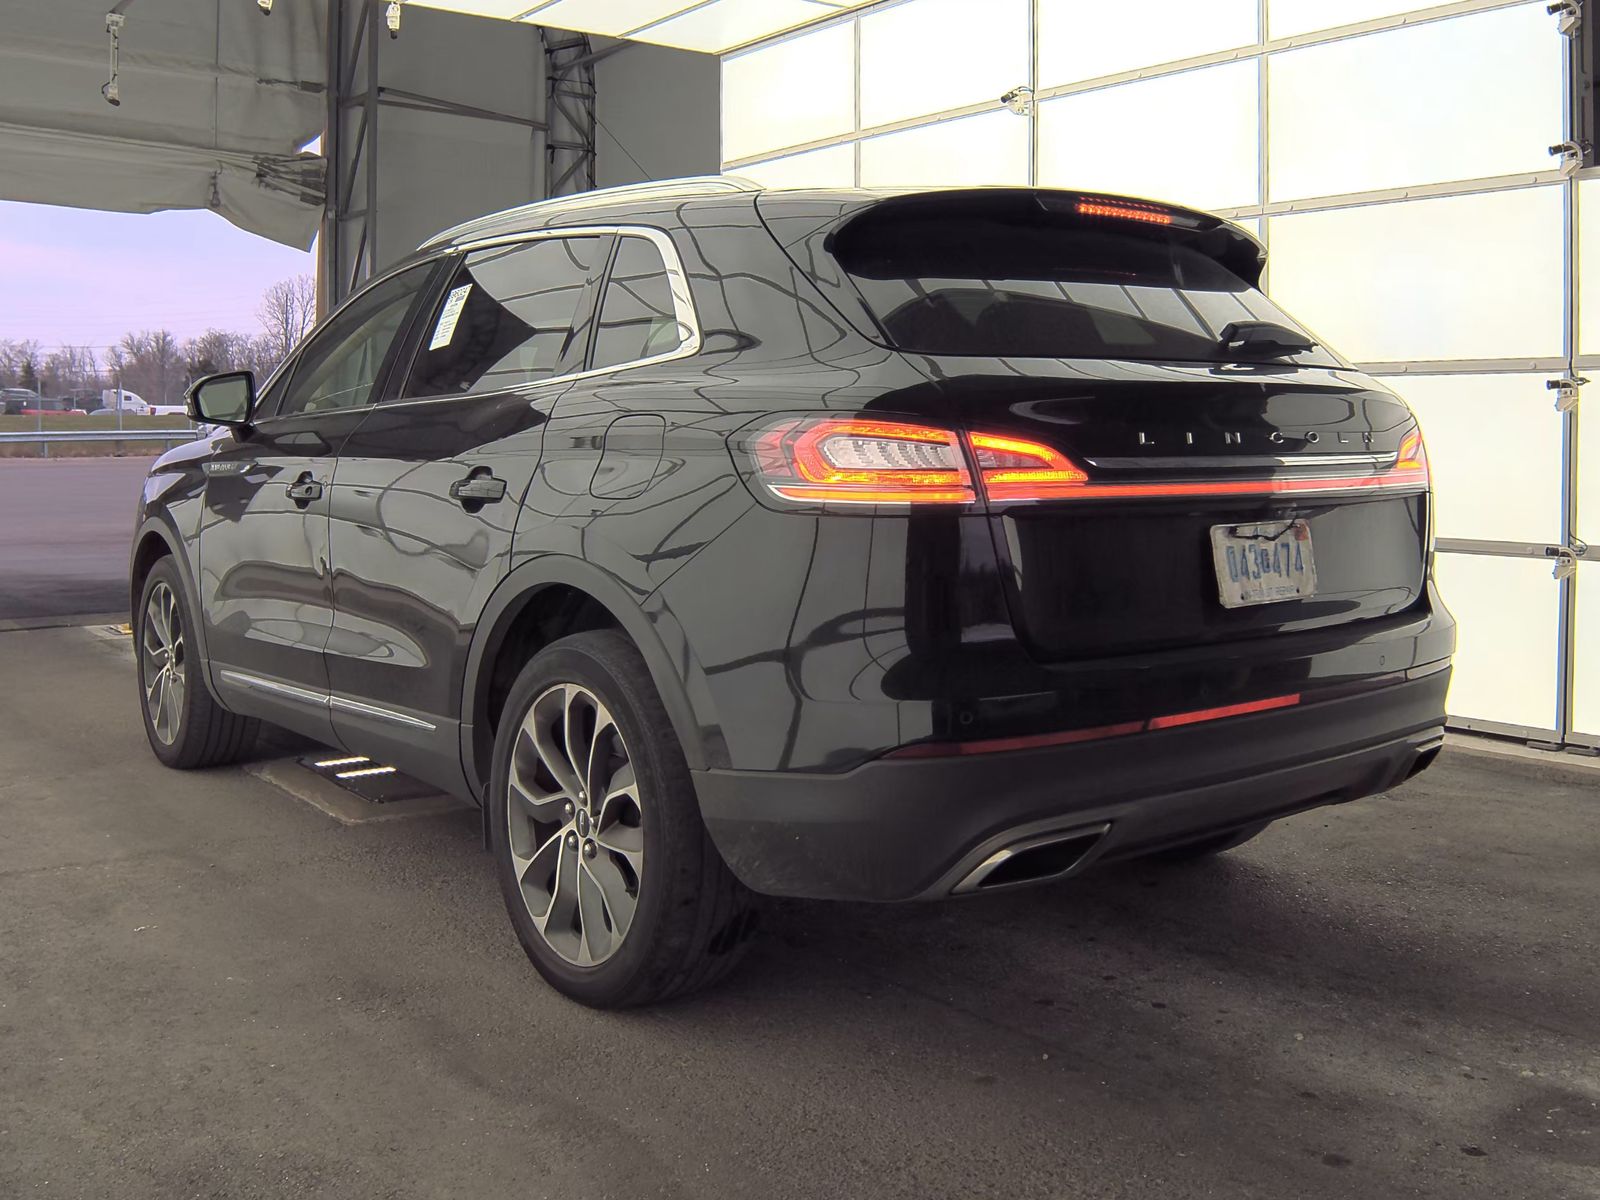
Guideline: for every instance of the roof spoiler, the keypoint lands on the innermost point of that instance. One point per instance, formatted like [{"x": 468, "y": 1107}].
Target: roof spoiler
[{"x": 1220, "y": 240}]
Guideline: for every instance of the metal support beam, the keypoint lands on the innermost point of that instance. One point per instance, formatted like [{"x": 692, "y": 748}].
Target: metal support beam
[
  {"x": 352, "y": 250},
  {"x": 570, "y": 111}
]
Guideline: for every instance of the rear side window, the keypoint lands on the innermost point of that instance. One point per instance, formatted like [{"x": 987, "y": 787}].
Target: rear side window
[
  {"x": 638, "y": 318},
  {"x": 1035, "y": 285},
  {"x": 507, "y": 318}
]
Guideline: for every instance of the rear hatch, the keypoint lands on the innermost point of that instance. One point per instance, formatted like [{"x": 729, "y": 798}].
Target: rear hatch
[{"x": 1185, "y": 430}]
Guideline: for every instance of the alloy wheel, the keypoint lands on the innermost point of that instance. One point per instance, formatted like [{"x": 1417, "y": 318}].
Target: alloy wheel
[
  {"x": 576, "y": 825},
  {"x": 165, "y": 672}
]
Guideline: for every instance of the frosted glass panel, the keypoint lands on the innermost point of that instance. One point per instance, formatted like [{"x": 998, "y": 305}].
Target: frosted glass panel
[
  {"x": 928, "y": 56},
  {"x": 834, "y": 166},
  {"x": 1285, "y": 18},
  {"x": 1586, "y": 679},
  {"x": 1204, "y": 155},
  {"x": 788, "y": 93},
  {"x": 1460, "y": 277},
  {"x": 1505, "y": 662},
  {"x": 1589, "y": 266},
  {"x": 1413, "y": 105},
  {"x": 1588, "y": 527},
  {"x": 604, "y": 16},
  {"x": 1084, "y": 39},
  {"x": 992, "y": 148},
  {"x": 731, "y": 23},
  {"x": 1494, "y": 443}
]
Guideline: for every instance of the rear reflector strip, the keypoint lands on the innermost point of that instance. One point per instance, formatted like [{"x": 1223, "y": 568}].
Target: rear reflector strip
[
  {"x": 1099, "y": 733},
  {"x": 1218, "y": 714}
]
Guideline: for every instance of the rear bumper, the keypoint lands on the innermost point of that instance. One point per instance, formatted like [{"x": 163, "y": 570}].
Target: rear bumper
[{"x": 901, "y": 829}]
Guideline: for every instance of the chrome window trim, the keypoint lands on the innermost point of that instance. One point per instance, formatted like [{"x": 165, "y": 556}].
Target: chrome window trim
[
  {"x": 677, "y": 277},
  {"x": 682, "y": 306},
  {"x": 291, "y": 359}
]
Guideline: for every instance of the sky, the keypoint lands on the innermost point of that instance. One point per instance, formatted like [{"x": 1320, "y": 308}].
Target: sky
[{"x": 78, "y": 277}]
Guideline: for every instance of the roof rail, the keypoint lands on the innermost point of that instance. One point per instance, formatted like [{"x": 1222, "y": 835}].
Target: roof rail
[{"x": 697, "y": 185}]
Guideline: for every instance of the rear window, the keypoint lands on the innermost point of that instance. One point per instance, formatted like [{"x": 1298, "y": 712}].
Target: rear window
[{"x": 1042, "y": 286}]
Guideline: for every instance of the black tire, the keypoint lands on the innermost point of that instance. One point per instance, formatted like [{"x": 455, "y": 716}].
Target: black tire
[
  {"x": 206, "y": 734},
  {"x": 1209, "y": 847},
  {"x": 692, "y": 919}
]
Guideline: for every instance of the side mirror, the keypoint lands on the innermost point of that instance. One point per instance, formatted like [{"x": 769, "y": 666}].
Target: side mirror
[{"x": 225, "y": 399}]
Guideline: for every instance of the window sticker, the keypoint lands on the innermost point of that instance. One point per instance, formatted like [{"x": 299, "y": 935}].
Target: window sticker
[{"x": 449, "y": 315}]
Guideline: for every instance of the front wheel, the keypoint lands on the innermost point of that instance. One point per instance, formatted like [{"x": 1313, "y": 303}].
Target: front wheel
[
  {"x": 613, "y": 885},
  {"x": 186, "y": 727}
]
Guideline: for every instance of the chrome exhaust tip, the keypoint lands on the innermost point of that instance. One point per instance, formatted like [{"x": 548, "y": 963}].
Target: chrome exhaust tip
[{"x": 1034, "y": 859}]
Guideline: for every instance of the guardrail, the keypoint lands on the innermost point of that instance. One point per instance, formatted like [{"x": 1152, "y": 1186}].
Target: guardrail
[{"x": 45, "y": 436}]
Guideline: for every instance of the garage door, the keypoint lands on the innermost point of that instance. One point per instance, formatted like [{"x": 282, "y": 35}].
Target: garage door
[{"x": 1419, "y": 216}]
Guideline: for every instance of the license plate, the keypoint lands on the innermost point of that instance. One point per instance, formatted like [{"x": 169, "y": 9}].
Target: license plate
[{"x": 1263, "y": 564}]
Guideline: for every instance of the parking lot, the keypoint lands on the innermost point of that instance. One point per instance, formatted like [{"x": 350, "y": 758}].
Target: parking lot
[
  {"x": 65, "y": 529},
  {"x": 211, "y": 988}
]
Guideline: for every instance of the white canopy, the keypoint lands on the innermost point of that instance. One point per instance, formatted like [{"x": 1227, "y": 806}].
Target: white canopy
[
  {"x": 216, "y": 102},
  {"x": 710, "y": 26}
]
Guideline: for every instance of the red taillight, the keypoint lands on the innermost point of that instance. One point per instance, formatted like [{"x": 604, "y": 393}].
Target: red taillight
[
  {"x": 1014, "y": 469},
  {"x": 867, "y": 461},
  {"x": 1412, "y": 460},
  {"x": 832, "y": 460},
  {"x": 1125, "y": 211}
]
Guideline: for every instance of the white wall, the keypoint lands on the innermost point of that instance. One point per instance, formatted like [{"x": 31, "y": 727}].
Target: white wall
[{"x": 659, "y": 112}]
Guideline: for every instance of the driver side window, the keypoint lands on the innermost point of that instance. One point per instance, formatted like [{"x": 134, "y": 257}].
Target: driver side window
[{"x": 340, "y": 365}]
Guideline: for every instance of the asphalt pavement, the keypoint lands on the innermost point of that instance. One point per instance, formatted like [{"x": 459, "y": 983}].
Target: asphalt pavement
[
  {"x": 65, "y": 531},
  {"x": 210, "y": 988}
]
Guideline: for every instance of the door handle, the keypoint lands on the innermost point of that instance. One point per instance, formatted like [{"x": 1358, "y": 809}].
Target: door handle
[
  {"x": 478, "y": 488},
  {"x": 305, "y": 489}
]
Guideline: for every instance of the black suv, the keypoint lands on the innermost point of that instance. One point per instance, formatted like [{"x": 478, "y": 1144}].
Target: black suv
[{"x": 842, "y": 544}]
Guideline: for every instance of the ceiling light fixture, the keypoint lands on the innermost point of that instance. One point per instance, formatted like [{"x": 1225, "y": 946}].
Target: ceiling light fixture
[{"x": 265, "y": 6}]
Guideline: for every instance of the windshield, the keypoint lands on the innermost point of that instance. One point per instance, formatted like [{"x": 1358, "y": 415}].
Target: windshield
[{"x": 1041, "y": 287}]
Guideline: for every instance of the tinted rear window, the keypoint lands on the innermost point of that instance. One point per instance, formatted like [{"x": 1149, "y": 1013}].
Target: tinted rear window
[{"x": 1043, "y": 287}]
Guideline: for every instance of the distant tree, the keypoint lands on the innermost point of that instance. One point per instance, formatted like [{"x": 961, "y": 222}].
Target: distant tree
[
  {"x": 19, "y": 364},
  {"x": 71, "y": 369},
  {"x": 218, "y": 350},
  {"x": 287, "y": 312},
  {"x": 151, "y": 365}
]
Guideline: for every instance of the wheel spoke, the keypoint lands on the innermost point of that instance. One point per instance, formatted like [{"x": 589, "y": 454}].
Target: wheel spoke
[
  {"x": 558, "y": 923},
  {"x": 595, "y": 773},
  {"x": 554, "y": 757},
  {"x": 169, "y": 707},
  {"x": 541, "y": 863},
  {"x": 597, "y": 938},
  {"x": 176, "y": 688},
  {"x": 538, "y": 803},
  {"x": 613, "y": 887},
  {"x": 620, "y": 824},
  {"x": 576, "y": 705}
]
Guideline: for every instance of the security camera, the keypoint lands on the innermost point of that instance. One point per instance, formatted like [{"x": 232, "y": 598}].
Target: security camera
[
  {"x": 1019, "y": 100},
  {"x": 391, "y": 17},
  {"x": 265, "y": 6},
  {"x": 110, "y": 92}
]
